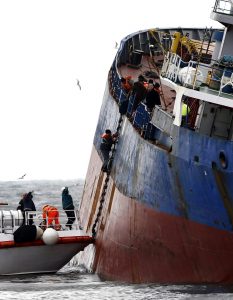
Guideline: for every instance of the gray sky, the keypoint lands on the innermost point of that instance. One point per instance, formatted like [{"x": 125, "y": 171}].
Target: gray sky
[{"x": 48, "y": 124}]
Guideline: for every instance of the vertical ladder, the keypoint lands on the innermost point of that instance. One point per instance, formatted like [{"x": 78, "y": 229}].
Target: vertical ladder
[{"x": 105, "y": 186}]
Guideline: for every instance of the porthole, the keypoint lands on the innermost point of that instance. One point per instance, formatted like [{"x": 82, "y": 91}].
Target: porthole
[{"x": 223, "y": 160}]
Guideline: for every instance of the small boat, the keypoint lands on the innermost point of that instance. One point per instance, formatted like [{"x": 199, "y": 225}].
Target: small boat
[{"x": 47, "y": 253}]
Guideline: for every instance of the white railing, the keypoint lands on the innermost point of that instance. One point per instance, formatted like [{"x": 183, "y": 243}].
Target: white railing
[
  {"x": 195, "y": 75},
  {"x": 10, "y": 220}
]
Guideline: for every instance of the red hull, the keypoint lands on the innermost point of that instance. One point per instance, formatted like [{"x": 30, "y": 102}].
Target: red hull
[{"x": 137, "y": 244}]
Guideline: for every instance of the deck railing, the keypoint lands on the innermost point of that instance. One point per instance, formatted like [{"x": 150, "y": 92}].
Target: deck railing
[
  {"x": 12, "y": 219},
  {"x": 196, "y": 75}
]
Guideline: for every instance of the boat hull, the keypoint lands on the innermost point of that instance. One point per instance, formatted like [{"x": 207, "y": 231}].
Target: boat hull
[
  {"x": 36, "y": 259},
  {"x": 36, "y": 256}
]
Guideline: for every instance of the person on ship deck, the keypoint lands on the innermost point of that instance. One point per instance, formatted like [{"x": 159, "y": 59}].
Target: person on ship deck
[
  {"x": 127, "y": 84},
  {"x": 139, "y": 92},
  {"x": 152, "y": 96}
]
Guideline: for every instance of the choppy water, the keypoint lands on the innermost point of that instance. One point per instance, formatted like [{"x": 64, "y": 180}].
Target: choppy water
[{"x": 75, "y": 282}]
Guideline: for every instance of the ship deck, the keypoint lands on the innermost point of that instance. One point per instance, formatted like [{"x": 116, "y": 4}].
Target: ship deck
[
  {"x": 147, "y": 65},
  {"x": 167, "y": 94}
]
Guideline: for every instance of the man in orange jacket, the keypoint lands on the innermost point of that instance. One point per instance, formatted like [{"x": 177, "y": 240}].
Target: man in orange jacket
[{"x": 50, "y": 215}]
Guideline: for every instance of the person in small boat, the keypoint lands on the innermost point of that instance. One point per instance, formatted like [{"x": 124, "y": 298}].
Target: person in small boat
[
  {"x": 50, "y": 217},
  {"x": 26, "y": 204},
  {"x": 68, "y": 206},
  {"x": 105, "y": 147}
]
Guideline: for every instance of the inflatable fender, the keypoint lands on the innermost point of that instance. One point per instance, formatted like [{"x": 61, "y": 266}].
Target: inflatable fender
[{"x": 50, "y": 236}]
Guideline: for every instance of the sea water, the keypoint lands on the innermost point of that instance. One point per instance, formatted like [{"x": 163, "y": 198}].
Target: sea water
[{"x": 74, "y": 281}]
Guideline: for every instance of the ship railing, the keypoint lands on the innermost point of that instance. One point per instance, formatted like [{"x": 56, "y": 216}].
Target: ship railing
[
  {"x": 213, "y": 77},
  {"x": 115, "y": 84},
  {"x": 10, "y": 220},
  {"x": 224, "y": 7}
]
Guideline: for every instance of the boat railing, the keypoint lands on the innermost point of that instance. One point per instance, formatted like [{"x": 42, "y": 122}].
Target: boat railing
[
  {"x": 197, "y": 75},
  {"x": 10, "y": 220},
  {"x": 224, "y": 7}
]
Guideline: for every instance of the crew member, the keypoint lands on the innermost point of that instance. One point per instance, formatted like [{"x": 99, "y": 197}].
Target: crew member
[
  {"x": 127, "y": 83},
  {"x": 105, "y": 147},
  {"x": 68, "y": 206},
  {"x": 184, "y": 112},
  {"x": 51, "y": 217},
  {"x": 26, "y": 204}
]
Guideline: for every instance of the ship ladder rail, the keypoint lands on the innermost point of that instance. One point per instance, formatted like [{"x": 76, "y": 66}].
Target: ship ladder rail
[{"x": 105, "y": 186}]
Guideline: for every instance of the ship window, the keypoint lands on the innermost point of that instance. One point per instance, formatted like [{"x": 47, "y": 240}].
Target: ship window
[{"x": 223, "y": 160}]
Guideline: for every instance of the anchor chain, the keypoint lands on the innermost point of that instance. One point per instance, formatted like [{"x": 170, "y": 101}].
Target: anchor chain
[{"x": 109, "y": 167}]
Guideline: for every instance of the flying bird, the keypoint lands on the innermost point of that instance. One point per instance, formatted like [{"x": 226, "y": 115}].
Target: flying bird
[
  {"x": 22, "y": 177},
  {"x": 78, "y": 84}
]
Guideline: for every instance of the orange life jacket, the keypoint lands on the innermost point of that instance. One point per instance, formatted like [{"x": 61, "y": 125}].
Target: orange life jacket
[
  {"x": 127, "y": 85},
  {"x": 52, "y": 215}
]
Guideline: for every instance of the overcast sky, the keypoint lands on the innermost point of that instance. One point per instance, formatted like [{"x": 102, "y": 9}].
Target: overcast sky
[{"x": 47, "y": 124}]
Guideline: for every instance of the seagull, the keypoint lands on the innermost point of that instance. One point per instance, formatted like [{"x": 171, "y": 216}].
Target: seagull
[
  {"x": 22, "y": 177},
  {"x": 78, "y": 84}
]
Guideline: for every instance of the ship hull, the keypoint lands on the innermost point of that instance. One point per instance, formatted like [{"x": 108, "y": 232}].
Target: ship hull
[
  {"x": 164, "y": 211},
  {"x": 137, "y": 244}
]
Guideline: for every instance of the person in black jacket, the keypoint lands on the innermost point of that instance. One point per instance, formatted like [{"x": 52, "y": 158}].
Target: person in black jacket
[
  {"x": 152, "y": 97},
  {"x": 105, "y": 147},
  {"x": 139, "y": 92},
  {"x": 68, "y": 206},
  {"x": 27, "y": 204}
]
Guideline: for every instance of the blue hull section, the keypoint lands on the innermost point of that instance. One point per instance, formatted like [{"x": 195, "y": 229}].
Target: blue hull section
[{"x": 188, "y": 182}]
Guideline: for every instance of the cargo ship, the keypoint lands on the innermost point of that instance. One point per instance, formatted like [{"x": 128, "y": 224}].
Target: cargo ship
[{"x": 162, "y": 210}]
